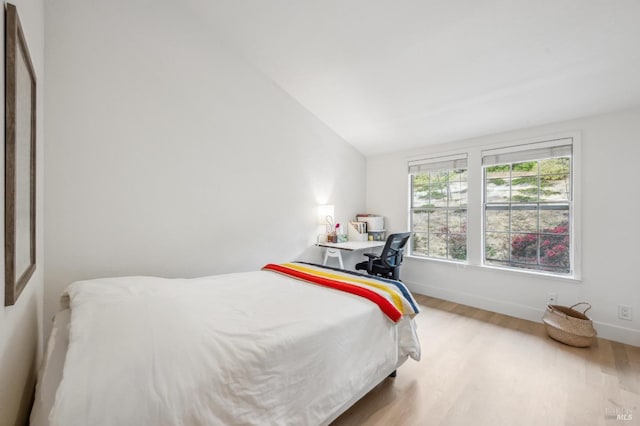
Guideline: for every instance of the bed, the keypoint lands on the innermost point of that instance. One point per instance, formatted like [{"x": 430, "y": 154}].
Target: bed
[{"x": 293, "y": 343}]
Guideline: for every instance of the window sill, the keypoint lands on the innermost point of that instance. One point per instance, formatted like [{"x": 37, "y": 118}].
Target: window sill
[{"x": 565, "y": 278}]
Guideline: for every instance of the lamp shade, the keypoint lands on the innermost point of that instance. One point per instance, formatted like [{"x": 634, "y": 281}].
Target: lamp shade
[{"x": 324, "y": 211}]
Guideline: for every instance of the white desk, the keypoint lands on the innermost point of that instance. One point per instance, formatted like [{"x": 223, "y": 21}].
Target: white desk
[{"x": 334, "y": 249}]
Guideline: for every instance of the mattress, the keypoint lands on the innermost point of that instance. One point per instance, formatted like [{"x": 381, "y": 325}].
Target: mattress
[{"x": 247, "y": 348}]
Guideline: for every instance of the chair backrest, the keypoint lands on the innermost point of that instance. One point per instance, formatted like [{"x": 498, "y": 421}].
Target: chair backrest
[{"x": 391, "y": 255}]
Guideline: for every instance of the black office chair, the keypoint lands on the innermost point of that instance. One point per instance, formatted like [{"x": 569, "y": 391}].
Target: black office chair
[{"x": 387, "y": 263}]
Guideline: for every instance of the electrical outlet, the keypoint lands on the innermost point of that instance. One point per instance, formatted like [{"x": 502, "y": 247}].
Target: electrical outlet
[
  {"x": 624, "y": 312},
  {"x": 552, "y": 299}
]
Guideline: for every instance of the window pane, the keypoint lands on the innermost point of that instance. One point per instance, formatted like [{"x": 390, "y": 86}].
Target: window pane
[
  {"x": 458, "y": 188},
  {"x": 439, "y": 189},
  {"x": 524, "y": 248},
  {"x": 457, "y": 221},
  {"x": 438, "y": 220},
  {"x": 438, "y": 245},
  {"x": 501, "y": 172},
  {"x": 454, "y": 194},
  {"x": 524, "y": 189},
  {"x": 457, "y": 246},
  {"x": 527, "y": 168},
  {"x": 420, "y": 243},
  {"x": 497, "y": 220},
  {"x": 554, "y": 247},
  {"x": 461, "y": 196},
  {"x": 550, "y": 218},
  {"x": 420, "y": 220},
  {"x": 555, "y": 166},
  {"x": 555, "y": 188},
  {"x": 497, "y": 190},
  {"x": 524, "y": 219},
  {"x": 496, "y": 246},
  {"x": 420, "y": 190}
]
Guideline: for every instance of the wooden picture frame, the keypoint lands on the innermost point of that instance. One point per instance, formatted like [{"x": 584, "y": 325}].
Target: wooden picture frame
[{"x": 20, "y": 160}]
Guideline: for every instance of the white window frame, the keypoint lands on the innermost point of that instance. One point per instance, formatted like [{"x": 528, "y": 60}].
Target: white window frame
[
  {"x": 475, "y": 206},
  {"x": 449, "y": 161},
  {"x": 520, "y": 154}
]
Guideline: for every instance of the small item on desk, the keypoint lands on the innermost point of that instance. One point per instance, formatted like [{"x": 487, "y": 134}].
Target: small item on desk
[
  {"x": 357, "y": 231},
  {"x": 333, "y": 235},
  {"x": 374, "y": 222},
  {"x": 377, "y": 235},
  {"x": 342, "y": 237}
]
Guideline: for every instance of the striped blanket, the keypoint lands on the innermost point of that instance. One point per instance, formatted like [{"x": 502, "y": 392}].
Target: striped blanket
[{"x": 393, "y": 298}]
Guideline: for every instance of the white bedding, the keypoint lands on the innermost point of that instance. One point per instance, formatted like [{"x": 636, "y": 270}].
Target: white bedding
[{"x": 246, "y": 348}]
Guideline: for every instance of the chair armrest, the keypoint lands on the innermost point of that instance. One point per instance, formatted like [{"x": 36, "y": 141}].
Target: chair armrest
[{"x": 371, "y": 257}]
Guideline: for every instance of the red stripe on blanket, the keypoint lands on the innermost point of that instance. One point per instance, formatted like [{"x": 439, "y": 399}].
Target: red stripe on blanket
[{"x": 385, "y": 305}]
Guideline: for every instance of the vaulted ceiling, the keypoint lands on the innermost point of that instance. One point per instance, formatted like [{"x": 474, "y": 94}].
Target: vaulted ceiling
[{"x": 396, "y": 74}]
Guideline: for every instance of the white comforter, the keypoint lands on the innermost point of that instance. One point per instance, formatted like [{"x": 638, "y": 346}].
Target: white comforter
[{"x": 247, "y": 348}]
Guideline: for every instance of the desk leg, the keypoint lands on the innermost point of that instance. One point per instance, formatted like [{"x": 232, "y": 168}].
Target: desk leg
[{"x": 333, "y": 253}]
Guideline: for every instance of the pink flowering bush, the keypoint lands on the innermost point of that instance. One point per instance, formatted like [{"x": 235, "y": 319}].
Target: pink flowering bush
[
  {"x": 554, "y": 246},
  {"x": 525, "y": 247}
]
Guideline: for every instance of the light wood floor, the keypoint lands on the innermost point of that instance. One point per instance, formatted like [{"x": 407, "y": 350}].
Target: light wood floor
[{"x": 483, "y": 368}]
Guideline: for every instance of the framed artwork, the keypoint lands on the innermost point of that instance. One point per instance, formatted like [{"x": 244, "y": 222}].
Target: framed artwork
[{"x": 20, "y": 160}]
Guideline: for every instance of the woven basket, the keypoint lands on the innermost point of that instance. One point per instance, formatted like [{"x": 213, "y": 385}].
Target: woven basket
[{"x": 569, "y": 326}]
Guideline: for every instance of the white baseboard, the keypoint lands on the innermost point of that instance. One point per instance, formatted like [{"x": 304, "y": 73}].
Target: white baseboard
[{"x": 605, "y": 330}]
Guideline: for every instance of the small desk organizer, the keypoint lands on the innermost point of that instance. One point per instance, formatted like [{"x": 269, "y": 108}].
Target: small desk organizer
[
  {"x": 358, "y": 231},
  {"x": 375, "y": 226}
]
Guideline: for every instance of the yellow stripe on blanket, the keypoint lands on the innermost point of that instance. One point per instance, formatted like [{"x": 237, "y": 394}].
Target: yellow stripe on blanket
[{"x": 350, "y": 279}]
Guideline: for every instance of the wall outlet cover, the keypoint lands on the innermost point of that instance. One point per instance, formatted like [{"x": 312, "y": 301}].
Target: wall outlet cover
[{"x": 625, "y": 312}]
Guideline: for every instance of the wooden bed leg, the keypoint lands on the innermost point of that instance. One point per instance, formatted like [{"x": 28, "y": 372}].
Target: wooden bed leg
[{"x": 393, "y": 373}]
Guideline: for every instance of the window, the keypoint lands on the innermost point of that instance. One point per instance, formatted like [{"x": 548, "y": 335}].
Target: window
[
  {"x": 528, "y": 206},
  {"x": 510, "y": 206},
  {"x": 438, "y": 211}
]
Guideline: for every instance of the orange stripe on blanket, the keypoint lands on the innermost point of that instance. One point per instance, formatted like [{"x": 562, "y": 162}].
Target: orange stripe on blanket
[{"x": 385, "y": 305}]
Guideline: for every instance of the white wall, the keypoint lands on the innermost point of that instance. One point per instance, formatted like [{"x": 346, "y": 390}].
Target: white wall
[
  {"x": 21, "y": 324},
  {"x": 169, "y": 155},
  {"x": 610, "y": 230}
]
